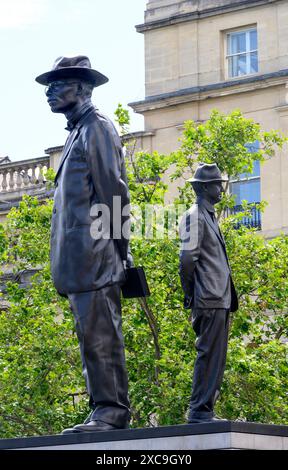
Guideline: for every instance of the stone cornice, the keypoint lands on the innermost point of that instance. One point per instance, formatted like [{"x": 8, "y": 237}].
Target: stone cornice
[
  {"x": 57, "y": 148},
  {"x": 200, "y": 14},
  {"x": 282, "y": 109},
  {"x": 215, "y": 90},
  {"x": 136, "y": 135}
]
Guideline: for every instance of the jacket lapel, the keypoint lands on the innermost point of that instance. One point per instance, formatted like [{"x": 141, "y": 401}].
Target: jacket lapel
[
  {"x": 68, "y": 144},
  {"x": 217, "y": 231},
  {"x": 213, "y": 226}
]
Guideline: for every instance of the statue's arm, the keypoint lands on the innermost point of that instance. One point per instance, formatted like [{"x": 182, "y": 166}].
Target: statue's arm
[
  {"x": 105, "y": 160},
  {"x": 191, "y": 235}
]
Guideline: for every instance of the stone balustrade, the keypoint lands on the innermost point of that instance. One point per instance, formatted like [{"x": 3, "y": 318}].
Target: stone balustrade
[{"x": 18, "y": 176}]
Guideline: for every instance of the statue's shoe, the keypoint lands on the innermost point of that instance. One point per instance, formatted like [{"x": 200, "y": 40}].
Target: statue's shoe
[
  {"x": 89, "y": 417},
  {"x": 92, "y": 426},
  {"x": 207, "y": 420}
]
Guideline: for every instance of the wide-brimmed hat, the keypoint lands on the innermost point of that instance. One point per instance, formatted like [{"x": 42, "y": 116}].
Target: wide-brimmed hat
[
  {"x": 207, "y": 173},
  {"x": 72, "y": 67}
]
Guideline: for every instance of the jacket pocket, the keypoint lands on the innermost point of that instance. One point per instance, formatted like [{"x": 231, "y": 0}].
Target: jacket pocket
[{"x": 211, "y": 285}]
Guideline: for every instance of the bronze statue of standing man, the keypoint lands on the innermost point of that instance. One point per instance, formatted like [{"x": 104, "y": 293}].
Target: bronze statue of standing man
[
  {"x": 209, "y": 290},
  {"x": 89, "y": 270}
]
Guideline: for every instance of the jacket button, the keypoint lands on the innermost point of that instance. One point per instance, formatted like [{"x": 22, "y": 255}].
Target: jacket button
[{"x": 54, "y": 211}]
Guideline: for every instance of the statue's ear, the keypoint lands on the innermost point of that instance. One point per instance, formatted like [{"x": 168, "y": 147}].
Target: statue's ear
[{"x": 79, "y": 89}]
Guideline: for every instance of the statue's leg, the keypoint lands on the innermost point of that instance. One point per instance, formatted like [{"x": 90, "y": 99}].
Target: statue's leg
[
  {"x": 211, "y": 327},
  {"x": 99, "y": 329}
]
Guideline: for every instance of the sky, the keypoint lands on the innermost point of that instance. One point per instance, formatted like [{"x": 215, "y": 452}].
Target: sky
[{"x": 33, "y": 33}]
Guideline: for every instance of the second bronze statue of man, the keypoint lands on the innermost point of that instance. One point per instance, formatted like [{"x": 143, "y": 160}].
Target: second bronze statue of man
[
  {"x": 209, "y": 290},
  {"x": 89, "y": 270}
]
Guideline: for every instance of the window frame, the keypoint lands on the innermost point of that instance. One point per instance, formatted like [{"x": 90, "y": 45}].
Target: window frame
[
  {"x": 247, "y": 53},
  {"x": 255, "y": 220},
  {"x": 243, "y": 181}
]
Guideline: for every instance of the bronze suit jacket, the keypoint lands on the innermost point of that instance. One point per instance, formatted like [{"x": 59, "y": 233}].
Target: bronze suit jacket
[
  {"x": 91, "y": 171},
  {"x": 204, "y": 267}
]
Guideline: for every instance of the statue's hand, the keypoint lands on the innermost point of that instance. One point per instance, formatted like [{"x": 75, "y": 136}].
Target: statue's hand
[
  {"x": 130, "y": 261},
  {"x": 187, "y": 302}
]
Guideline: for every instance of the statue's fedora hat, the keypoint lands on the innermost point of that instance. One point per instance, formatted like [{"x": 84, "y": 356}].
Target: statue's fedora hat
[
  {"x": 207, "y": 173},
  {"x": 78, "y": 67}
]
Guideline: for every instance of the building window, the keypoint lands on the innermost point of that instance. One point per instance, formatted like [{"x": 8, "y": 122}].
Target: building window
[
  {"x": 248, "y": 188},
  {"x": 242, "y": 52}
]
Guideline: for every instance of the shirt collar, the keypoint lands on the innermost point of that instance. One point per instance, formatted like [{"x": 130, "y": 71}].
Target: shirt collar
[
  {"x": 75, "y": 118},
  {"x": 206, "y": 204}
]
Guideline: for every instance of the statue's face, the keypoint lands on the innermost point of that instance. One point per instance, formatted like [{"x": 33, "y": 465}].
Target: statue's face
[
  {"x": 214, "y": 192},
  {"x": 62, "y": 95}
]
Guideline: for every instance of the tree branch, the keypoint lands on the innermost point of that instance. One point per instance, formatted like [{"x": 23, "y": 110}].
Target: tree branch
[{"x": 154, "y": 330}]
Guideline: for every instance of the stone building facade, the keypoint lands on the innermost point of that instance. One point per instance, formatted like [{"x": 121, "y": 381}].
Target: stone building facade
[{"x": 225, "y": 54}]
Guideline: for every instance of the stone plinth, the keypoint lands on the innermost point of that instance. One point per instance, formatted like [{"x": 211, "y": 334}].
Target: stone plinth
[{"x": 208, "y": 436}]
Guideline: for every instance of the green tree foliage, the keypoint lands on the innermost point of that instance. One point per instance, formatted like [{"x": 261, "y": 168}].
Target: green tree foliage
[
  {"x": 39, "y": 360},
  {"x": 41, "y": 387},
  {"x": 158, "y": 336},
  {"x": 123, "y": 118},
  {"x": 224, "y": 139},
  {"x": 256, "y": 377}
]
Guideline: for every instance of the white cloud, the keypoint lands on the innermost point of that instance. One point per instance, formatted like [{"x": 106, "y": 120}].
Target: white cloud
[{"x": 21, "y": 13}]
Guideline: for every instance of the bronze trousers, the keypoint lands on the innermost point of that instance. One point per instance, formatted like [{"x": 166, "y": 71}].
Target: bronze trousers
[
  {"x": 211, "y": 327},
  {"x": 98, "y": 324}
]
